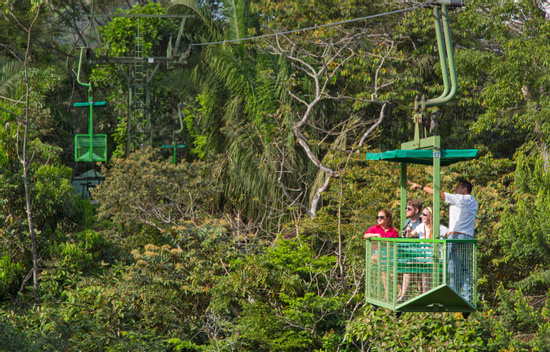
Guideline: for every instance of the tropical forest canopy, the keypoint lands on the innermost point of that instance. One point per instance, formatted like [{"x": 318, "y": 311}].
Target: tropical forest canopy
[{"x": 252, "y": 239}]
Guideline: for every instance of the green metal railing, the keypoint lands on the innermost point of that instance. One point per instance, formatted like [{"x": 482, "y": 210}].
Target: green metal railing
[{"x": 421, "y": 274}]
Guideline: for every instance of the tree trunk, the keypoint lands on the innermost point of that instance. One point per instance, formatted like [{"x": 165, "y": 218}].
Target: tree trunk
[
  {"x": 29, "y": 218},
  {"x": 25, "y": 161}
]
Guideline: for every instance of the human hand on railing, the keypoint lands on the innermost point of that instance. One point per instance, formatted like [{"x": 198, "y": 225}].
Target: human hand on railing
[{"x": 368, "y": 236}]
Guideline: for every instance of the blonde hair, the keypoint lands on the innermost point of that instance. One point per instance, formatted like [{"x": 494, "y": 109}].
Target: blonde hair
[{"x": 431, "y": 218}]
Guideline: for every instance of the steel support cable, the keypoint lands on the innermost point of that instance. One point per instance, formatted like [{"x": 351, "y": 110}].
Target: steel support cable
[{"x": 315, "y": 27}]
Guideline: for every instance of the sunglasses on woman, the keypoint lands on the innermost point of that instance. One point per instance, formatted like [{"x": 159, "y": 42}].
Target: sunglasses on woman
[
  {"x": 425, "y": 214},
  {"x": 380, "y": 217}
]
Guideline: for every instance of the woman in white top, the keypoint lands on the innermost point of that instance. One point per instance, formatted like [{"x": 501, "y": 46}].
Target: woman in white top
[{"x": 422, "y": 231}]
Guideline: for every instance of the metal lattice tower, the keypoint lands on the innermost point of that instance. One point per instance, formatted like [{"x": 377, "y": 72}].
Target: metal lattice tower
[
  {"x": 138, "y": 74},
  {"x": 138, "y": 97}
]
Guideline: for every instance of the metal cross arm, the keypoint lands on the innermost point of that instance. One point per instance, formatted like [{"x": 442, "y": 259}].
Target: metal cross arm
[{"x": 175, "y": 147}]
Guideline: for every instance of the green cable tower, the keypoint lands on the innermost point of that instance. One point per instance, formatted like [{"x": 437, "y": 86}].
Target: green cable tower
[{"x": 138, "y": 71}]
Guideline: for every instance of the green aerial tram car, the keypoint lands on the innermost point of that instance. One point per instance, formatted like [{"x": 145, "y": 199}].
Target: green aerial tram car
[
  {"x": 90, "y": 146},
  {"x": 426, "y": 261}
]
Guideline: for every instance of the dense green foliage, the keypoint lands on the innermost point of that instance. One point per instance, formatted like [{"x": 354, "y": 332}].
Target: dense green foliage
[{"x": 222, "y": 250}]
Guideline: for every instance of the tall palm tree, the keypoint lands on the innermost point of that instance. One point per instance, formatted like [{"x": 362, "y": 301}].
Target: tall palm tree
[{"x": 231, "y": 102}]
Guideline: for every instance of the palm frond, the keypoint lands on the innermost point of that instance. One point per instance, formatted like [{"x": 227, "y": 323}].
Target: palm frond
[
  {"x": 202, "y": 12},
  {"x": 236, "y": 14},
  {"x": 9, "y": 76}
]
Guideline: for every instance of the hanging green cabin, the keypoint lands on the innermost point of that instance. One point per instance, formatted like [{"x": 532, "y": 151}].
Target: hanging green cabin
[
  {"x": 429, "y": 265},
  {"x": 90, "y": 146}
]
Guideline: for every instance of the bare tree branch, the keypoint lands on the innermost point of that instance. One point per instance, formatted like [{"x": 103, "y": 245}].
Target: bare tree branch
[{"x": 373, "y": 127}]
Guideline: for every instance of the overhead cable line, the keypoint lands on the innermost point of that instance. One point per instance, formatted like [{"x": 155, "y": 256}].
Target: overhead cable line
[{"x": 310, "y": 28}]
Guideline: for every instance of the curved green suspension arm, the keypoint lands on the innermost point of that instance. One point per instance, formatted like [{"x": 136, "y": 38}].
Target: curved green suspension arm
[
  {"x": 78, "y": 73},
  {"x": 442, "y": 54},
  {"x": 443, "y": 99}
]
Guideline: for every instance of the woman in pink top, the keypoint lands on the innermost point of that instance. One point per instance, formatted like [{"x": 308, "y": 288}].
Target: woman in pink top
[{"x": 383, "y": 229}]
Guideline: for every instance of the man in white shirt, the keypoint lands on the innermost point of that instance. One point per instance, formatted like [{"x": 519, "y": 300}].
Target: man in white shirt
[{"x": 462, "y": 213}]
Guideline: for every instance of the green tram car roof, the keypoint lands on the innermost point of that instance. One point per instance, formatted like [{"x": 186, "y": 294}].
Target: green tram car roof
[{"x": 425, "y": 157}]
